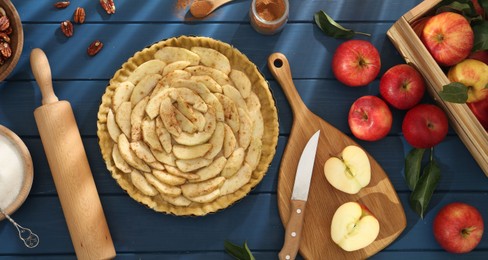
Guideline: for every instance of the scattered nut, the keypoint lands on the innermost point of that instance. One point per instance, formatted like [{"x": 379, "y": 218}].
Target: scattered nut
[
  {"x": 79, "y": 15},
  {"x": 108, "y": 6},
  {"x": 94, "y": 47},
  {"x": 67, "y": 28},
  {"x": 61, "y": 4}
]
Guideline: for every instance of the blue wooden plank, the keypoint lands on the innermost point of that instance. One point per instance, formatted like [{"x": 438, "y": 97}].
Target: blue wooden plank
[
  {"x": 177, "y": 11},
  {"x": 329, "y": 99},
  {"x": 69, "y": 60},
  {"x": 186, "y": 255},
  {"x": 136, "y": 228},
  {"x": 255, "y": 219}
]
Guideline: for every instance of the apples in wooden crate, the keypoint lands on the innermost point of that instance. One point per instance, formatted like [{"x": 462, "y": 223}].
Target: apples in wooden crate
[{"x": 407, "y": 36}]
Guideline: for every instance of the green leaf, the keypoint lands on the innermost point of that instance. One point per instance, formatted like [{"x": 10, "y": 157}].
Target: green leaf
[
  {"x": 484, "y": 5},
  {"x": 454, "y": 92},
  {"x": 413, "y": 163},
  {"x": 332, "y": 28},
  {"x": 480, "y": 30},
  {"x": 465, "y": 8},
  {"x": 238, "y": 252},
  {"x": 421, "y": 195}
]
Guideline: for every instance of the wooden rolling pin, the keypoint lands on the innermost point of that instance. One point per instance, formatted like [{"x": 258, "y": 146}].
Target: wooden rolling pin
[{"x": 70, "y": 169}]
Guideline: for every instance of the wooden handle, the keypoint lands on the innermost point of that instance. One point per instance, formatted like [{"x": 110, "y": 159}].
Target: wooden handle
[
  {"x": 280, "y": 68},
  {"x": 42, "y": 72},
  {"x": 293, "y": 230}
]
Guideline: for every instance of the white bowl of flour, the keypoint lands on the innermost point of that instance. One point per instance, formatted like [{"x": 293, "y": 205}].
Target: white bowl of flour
[{"x": 16, "y": 171}]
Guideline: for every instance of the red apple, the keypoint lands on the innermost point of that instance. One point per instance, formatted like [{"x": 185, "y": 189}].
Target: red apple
[
  {"x": 479, "y": 55},
  {"x": 419, "y": 24},
  {"x": 448, "y": 37},
  {"x": 474, "y": 75},
  {"x": 480, "y": 110},
  {"x": 458, "y": 227},
  {"x": 356, "y": 63},
  {"x": 424, "y": 126},
  {"x": 402, "y": 86},
  {"x": 370, "y": 118}
]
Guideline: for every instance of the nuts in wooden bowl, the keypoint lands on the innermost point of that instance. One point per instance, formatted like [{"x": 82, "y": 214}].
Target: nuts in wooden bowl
[{"x": 11, "y": 38}]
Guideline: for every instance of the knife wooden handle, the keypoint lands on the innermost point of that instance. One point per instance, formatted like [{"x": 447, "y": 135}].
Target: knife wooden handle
[{"x": 293, "y": 230}]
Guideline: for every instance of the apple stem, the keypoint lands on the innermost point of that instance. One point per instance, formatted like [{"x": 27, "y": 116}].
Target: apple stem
[{"x": 466, "y": 231}]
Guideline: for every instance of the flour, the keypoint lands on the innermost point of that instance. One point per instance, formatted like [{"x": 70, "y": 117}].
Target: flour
[{"x": 11, "y": 172}]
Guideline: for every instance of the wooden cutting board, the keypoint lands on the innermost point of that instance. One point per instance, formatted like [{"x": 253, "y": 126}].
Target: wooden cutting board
[{"x": 323, "y": 200}]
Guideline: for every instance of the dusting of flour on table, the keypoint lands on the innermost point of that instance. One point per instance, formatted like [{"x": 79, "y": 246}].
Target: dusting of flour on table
[{"x": 11, "y": 172}]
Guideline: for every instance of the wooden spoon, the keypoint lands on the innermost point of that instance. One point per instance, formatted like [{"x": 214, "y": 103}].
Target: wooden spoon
[{"x": 202, "y": 8}]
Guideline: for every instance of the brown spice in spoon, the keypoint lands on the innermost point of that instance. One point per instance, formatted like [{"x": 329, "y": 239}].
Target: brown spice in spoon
[{"x": 200, "y": 8}]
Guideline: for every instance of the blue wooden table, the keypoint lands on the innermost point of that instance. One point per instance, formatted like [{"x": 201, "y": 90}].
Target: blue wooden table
[{"x": 140, "y": 233}]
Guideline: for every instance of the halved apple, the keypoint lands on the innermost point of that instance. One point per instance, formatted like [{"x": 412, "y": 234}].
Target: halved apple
[
  {"x": 353, "y": 226},
  {"x": 350, "y": 172}
]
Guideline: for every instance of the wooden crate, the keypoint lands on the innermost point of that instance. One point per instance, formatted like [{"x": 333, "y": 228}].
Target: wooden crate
[{"x": 462, "y": 120}]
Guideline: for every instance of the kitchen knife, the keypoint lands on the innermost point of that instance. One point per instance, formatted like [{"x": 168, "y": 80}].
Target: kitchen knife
[{"x": 299, "y": 198}]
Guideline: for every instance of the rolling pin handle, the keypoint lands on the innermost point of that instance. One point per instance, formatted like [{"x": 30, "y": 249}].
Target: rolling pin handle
[{"x": 42, "y": 73}]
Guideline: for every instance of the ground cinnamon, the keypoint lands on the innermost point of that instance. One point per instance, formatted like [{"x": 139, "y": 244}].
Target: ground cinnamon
[
  {"x": 268, "y": 16},
  {"x": 270, "y": 10},
  {"x": 201, "y": 8}
]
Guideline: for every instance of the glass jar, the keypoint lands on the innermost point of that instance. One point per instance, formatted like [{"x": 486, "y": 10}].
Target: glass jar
[{"x": 269, "y": 16}]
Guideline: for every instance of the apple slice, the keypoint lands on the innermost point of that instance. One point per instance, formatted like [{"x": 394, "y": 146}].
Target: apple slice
[
  {"x": 349, "y": 173},
  {"x": 353, "y": 226}
]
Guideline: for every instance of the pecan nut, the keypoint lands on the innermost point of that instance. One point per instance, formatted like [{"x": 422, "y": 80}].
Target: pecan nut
[
  {"x": 9, "y": 30},
  {"x": 67, "y": 28},
  {"x": 79, "y": 15},
  {"x": 108, "y": 6},
  {"x": 4, "y": 23},
  {"x": 5, "y": 50},
  {"x": 94, "y": 47},
  {"x": 4, "y": 37},
  {"x": 61, "y": 4}
]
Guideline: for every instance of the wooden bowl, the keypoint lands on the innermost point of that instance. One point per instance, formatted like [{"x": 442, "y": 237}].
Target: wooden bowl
[
  {"x": 16, "y": 38},
  {"x": 28, "y": 170}
]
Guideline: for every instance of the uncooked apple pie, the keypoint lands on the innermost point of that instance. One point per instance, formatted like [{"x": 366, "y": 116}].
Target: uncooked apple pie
[{"x": 188, "y": 126}]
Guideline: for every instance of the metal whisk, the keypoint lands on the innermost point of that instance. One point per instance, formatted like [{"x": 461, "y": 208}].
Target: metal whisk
[{"x": 30, "y": 239}]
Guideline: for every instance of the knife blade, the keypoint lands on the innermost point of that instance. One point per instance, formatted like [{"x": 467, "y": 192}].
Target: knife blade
[{"x": 299, "y": 198}]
